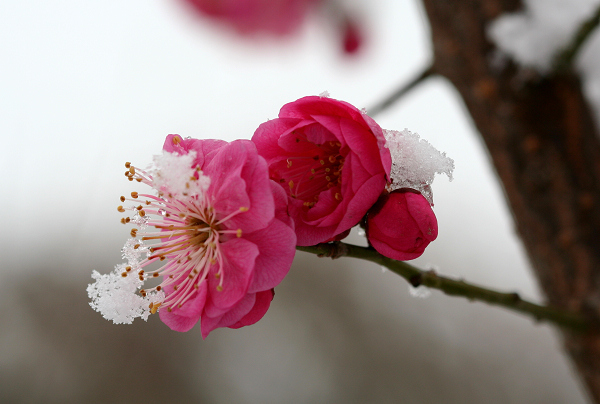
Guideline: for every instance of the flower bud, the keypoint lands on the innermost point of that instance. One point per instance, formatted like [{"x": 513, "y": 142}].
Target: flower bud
[{"x": 401, "y": 224}]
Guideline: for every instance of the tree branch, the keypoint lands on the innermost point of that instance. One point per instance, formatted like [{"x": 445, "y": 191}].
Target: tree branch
[
  {"x": 416, "y": 277},
  {"x": 400, "y": 92},
  {"x": 564, "y": 59}
]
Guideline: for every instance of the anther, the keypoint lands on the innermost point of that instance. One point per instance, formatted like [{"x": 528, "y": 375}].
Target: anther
[
  {"x": 322, "y": 162},
  {"x": 133, "y": 233},
  {"x": 155, "y": 275},
  {"x": 219, "y": 288},
  {"x": 128, "y": 268},
  {"x": 239, "y": 233},
  {"x": 132, "y": 170},
  {"x": 141, "y": 272},
  {"x": 327, "y": 169},
  {"x": 338, "y": 196},
  {"x": 140, "y": 207},
  {"x": 159, "y": 288},
  {"x": 332, "y": 158},
  {"x": 135, "y": 247},
  {"x": 154, "y": 307},
  {"x": 133, "y": 195},
  {"x": 127, "y": 164},
  {"x": 176, "y": 140},
  {"x": 175, "y": 287},
  {"x": 142, "y": 213},
  {"x": 124, "y": 274},
  {"x": 312, "y": 170},
  {"x": 244, "y": 209},
  {"x": 123, "y": 220},
  {"x": 291, "y": 184},
  {"x": 121, "y": 209},
  {"x": 137, "y": 179},
  {"x": 122, "y": 198}
]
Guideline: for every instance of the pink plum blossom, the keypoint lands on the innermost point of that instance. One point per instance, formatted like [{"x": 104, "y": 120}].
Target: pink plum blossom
[
  {"x": 401, "y": 225},
  {"x": 330, "y": 159},
  {"x": 279, "y": 17},
  {"x": 222, "y": 240}
]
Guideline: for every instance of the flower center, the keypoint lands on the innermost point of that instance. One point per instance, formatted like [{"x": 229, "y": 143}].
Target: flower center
[
  {"x": 187, "y": 235},
  {"x": 318, "y": 168}
]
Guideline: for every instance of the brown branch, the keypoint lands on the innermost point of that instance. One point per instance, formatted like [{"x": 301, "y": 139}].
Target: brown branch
[
  {"x": 543, "y": 142},
  {"x": 401, "y": 91},
  {"x": 564, "y": 59},
  {"x": 453, "y": 287}
]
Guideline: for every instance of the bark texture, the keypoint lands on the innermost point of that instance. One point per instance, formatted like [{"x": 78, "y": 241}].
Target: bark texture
[{"x": 544, "y": 144}]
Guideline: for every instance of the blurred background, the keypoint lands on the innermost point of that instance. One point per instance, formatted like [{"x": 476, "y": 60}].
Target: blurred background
[{"x": 86, "y": 86}]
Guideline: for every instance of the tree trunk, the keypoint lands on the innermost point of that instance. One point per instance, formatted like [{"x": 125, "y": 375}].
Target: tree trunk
[{"x": 542, "y": 138}]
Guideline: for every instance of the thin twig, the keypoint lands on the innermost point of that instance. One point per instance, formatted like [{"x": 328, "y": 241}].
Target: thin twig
[
  {"x": 453, "y": 287},
  {"x": 400, "y": 92},
  {"x": 564, "y": 59}
]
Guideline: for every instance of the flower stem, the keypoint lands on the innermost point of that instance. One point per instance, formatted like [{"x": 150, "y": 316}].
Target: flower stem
[
  {"x": 452, "y": 287},
  {"x": 564, "y": 59}
]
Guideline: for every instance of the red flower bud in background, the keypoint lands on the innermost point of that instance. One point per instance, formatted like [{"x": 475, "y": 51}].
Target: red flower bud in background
[
  {"x": 401, "y": 224},
  {"x": 249, "y": 17},
  {"x": 352, "y": 36}
]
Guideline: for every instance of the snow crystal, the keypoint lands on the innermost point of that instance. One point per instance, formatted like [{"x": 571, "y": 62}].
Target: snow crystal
[
  {"x": 415, "y": 162},
  {"x": 134, "y": 255},
  {"x": 114, "y": 296},
  {"x": 422, "y": 292},
  {"x": 174, "y": 174},
  {"x": 534, "y": 36},
  {"x": 324, "y": 94}
]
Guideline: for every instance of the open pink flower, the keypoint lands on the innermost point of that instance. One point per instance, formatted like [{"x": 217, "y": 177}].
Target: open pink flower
[
  {"x": 222, "y": 238},
  {"x": 401, "y": 225},
  {"x": 278, "y": 17},
  {"x": 330, "y": 159}
]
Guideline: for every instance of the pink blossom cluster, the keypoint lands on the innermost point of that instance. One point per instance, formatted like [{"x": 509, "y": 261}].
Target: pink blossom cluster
[
  {"x": 280, "y": 18},
  {"x": 335, "y": 165},
  {"x": 222, "y": 225}
]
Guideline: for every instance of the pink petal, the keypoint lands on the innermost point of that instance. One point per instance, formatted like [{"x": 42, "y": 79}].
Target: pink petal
[
  {"x": 239, "y": 179},
  {"x": 239, "y": 256},
  {"x": 263, "y": 301},
  {"x": 184, "y": 318},
  {"x": 232, "y": 316},
  {"x": 277, "y": 246}
]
